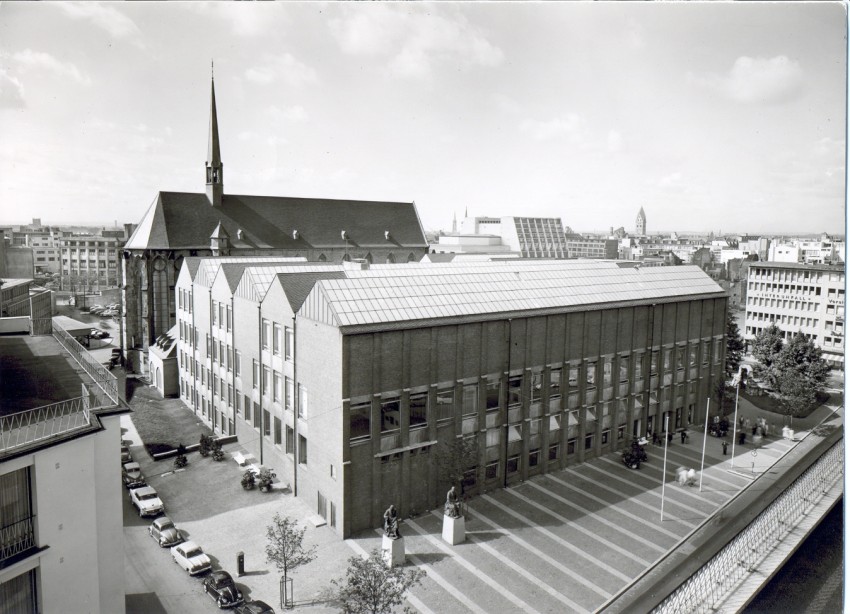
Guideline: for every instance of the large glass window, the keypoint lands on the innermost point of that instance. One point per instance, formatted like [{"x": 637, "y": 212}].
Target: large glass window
[
  {"x": 445, "y": 403},
  {"x": 591, "y": 374},
  {"x": 289, "y": 393},
  {"x": 606, "y": 372},
  {"x": 289, "y": 341},
  {"x": 536, "y": 386},
  {"x": 278, "y": 387},
  {"x": 418, "y": 409},
  {"x": 267, "y": 333},
  {"x": 360, "y": 416},
  {"x": 390, "y": 414},
  {"x": 470, "y": 399},
  {"x": 493, "y": 389},
  {"x": 302, "y": 401},
  {"x": 277, "y": 341},
  {"x": 514, "y": 391}
]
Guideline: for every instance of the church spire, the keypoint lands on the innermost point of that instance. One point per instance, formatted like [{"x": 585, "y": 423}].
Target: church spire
[{"x": 214, "y": 167}]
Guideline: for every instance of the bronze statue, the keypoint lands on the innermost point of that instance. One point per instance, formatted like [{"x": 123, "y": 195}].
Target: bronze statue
[
  {"x": 452, "y": 507},
  {"x": 391, "y": 523}
]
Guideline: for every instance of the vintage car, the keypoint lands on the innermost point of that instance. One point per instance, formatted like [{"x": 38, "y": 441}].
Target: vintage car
[
  {"x": 164, "y": 532},
  {"x": 96, "y": 333},
  {"x": 146, "y": 501},
  {"x": 125, "y": 454},
  {"x": 191, "y": 558},
  {"x": 254, "y": 607},
  {"x": 220, "y": 586},
  {"x": 131, "y": 473}
]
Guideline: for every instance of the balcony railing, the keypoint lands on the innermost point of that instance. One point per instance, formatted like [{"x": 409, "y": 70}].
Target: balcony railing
[
  {"x": 17, "y": 537},
  {"x": 43, "y": 422}
]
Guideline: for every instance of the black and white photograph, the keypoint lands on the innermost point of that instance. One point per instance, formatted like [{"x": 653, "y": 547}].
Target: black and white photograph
[{"x": 318, "y": 307}]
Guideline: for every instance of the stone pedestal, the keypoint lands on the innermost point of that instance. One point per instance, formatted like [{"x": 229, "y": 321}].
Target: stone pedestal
[
  {"x": 393, "y": 551},
  {"x": 454, "y": 530}
]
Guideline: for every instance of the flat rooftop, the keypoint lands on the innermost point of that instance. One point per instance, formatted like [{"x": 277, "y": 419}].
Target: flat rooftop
[{"x": 36, "y": 371}]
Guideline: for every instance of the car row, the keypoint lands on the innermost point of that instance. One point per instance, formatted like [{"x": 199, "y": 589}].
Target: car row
[{"x": 186, "y": 554}]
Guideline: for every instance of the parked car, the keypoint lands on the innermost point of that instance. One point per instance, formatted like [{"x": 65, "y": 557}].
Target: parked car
[
  {"x": 163, "y": 531},
  {"x": 108, "y": 313},
  {"x": 96, "y": 333},
  {"x": 131, "y": 473},
  {"x": 191, "y": 558},
  {"x": 125, "y": 454},
  {"x": 220, "y": 586},
  {"x": 146, "y": 501},
  {"x": 254, "y": 607}
]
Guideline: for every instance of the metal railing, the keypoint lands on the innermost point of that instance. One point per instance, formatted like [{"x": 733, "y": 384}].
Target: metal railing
[
  {"x": 17, "y": 537},
  {"x": 106, "y": 382},
  {"x": 43, "y": 422},
  {"x": 706, "y": 590}
]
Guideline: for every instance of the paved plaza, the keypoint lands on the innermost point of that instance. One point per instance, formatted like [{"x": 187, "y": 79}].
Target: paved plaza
[{"x": 564, "y": 542}]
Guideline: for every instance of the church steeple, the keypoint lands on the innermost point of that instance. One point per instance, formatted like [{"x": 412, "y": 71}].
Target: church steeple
[{"x": 214, "y": 167}]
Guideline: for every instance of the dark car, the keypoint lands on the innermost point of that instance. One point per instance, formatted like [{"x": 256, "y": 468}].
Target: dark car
[
  {"x": 255, "y": 607},
  {"x": 220, "y": 586}
]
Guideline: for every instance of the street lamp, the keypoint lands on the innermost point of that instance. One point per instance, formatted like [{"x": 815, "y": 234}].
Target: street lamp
[{"x": 739, "y": 380}]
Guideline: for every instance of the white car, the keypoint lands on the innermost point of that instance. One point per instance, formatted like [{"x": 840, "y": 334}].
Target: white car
[
  {"x": 191, "y": 558},
  {"x": 146, "y": 501}
]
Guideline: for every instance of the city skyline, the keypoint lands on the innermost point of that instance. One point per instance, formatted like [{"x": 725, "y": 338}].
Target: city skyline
[{"x": 497, "y": 109}]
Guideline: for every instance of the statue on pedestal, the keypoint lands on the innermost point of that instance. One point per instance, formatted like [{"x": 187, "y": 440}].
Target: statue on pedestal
[
  {"x": 391, "y": 523},
  {"x": 452, "y": 507}
]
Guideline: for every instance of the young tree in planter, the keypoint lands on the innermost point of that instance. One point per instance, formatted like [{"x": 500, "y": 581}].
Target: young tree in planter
[
  {"x": 285, "y": 547},
  {"x": 370, "y": 587},
  {"x": 180, "y": 460}
]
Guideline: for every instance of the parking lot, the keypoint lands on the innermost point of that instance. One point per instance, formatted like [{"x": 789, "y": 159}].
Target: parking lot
[{"x": 208, "y": 504}]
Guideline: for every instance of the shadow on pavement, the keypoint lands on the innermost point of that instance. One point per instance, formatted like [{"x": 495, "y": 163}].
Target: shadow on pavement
[{"x": 143, "y": 603}]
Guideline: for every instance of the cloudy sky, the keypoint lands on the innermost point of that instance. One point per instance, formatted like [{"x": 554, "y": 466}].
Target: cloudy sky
[{"x": 711, "y": 116}]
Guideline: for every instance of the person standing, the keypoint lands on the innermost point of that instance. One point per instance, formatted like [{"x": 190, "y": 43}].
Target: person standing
[{"x": 724, "y": 444}]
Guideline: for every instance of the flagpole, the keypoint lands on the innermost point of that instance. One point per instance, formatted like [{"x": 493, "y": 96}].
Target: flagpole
[
  {"x": 664, "y": 470},
  {"x": 704, "y": 439},
  {"x": 735, "y": 424}
]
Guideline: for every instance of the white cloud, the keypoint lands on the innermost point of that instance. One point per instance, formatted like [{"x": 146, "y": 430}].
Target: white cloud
[
  {"x": 11, "y": 91},
  {"x": 615, "y": 141},
  {"x": 29, "y": 59},
  {"x": 569, "y": 125},
  {"x": 106, "y": 17},
  {"x": 295, "y": 113},
  {"x": 257, "y": 19},
  {"x": 756, "y": 80},
  {"x": 281, "y": 67},
  {"x": 414, "y": 41}
]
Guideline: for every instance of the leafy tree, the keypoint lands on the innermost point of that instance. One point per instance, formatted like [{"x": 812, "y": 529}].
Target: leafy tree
[
  {"x": 370, "y": 587},
  {"x": 767, "y": 345},
  {"x": 455, "y": 458},
  {"x": 734, "y": 345},
  {"x": 285, "y": 547},
  {"x": 804, "y": 357},
  {"x": 797, "y": 394}
]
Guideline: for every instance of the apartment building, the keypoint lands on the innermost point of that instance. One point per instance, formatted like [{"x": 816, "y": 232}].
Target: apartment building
[
  {"x": 351, "y": 379},
  {"x": 798, "y": 298},
  {"x": 61, "y": 519},
  {"x": 91, "y": 262},
  {"x": 592, "y": 248}
]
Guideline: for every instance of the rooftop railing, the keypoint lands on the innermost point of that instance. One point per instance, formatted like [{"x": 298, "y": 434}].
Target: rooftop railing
[
  {"x": 40, "y": 423},
  {"x": 106, "y": 382}
]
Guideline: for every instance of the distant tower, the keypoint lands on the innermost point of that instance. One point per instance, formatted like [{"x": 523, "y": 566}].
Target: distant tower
[
  {"x": 454, "y": 223},
  {"x": 214, "y": 167},
  {"x": 640, "y": 223}
]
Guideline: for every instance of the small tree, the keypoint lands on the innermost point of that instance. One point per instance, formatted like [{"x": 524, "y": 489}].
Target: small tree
[
  {"x": 370, "y": 587},
  {"x": 455, "y": 458},
  {"x": 285, "y": 547}
]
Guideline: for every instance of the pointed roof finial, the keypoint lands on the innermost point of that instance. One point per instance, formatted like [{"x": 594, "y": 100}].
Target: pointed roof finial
[{"x": 212, "y": 69}]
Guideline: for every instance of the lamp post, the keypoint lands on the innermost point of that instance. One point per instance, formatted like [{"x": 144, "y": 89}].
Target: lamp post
[{"x": 735, "y": 423}]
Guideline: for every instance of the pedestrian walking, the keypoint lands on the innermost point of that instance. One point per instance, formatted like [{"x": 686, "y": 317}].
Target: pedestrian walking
[
  {"x": 684, "y": 436},
  {"x": 742, "y": 437},
  {"x": 669, "y": 438},
  {"x": 724, "y": 444}
]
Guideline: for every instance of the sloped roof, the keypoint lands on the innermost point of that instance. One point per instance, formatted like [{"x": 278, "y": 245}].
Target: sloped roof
[
  {"x": 298, "y": 285},
  {"x": 420, "y": 292},
  {"x": 185, "y": 220}
]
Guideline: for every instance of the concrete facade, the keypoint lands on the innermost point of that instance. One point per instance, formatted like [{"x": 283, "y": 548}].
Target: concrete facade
[
  {"x": 808, "y": 299},
  {"x": 356, "y": 417}
]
